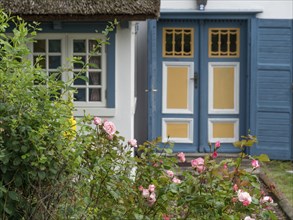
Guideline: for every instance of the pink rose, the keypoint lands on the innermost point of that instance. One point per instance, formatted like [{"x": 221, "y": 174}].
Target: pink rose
[
  {"x": 109, "y": 127},
  {"x": 97, "y": 121},
  {"x": 181, "y": 157},
  {"x": 234, "y": 199},
  {"x": 152, "y": 188},
  {"x": 176, "y": 180},
  {"x": 170, "y": 173},
  {"x": 140, "y": 188},
  {"x": 266, "y": 199},
  {"x": 255, "y": 164},
  {"x": 110, "y": 137},
  {"x": 198, "y": 164},
  {"x": 225, "y": 166},
  {"x": 244, "y": 197},
  {"x": 215, "y": 155},
  {"x": 145, "y": 193},
  {"x": 152, "y": 199},
  {"x": 166, "y": 217},
  {"x": 132, "y": 142},
  {"x": 217, "y": 144},
  {"x": 235, "y": 187}
]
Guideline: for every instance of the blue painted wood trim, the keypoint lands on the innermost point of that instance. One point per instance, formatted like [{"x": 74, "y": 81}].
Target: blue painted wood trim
[
  {"x": 91, "y": 27},
  {"x": 152, "y": 78},
  {"x": 111, "y": 70},
  {"x": 208, "y": 14}
]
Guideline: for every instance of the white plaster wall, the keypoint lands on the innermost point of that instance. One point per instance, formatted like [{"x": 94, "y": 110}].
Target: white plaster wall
[
  {"x": 275, "y": 9},
  {"x": 124, "y": 90}
]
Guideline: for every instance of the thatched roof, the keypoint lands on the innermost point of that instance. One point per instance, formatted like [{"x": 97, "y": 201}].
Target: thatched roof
[{"x": 83, "y": 9}]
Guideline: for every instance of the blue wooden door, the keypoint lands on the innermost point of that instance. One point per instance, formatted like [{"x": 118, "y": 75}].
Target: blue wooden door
[{"x": 200, "y": 66}]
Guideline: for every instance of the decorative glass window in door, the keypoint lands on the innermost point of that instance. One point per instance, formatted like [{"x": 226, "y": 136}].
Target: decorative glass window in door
[
  {"x": 178, "y": 42},
  {"x": 224, "y": 42}
]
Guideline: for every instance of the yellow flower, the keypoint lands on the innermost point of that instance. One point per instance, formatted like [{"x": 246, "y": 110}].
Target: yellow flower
[{"x": 71, "y": 133}]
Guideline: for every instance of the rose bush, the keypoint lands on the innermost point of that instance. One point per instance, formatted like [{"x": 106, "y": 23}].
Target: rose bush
[{"x": 51, "y": 170}]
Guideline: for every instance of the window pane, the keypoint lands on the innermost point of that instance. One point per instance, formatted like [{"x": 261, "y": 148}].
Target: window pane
[
  {"x": 95, "y": 62},
  {"x": 80, "y": 96},
  {"x": 40, "y": 46},
  {"x": 95, "y": 94},
  {"x": 79, "y": 46},
  {"x": 54, "y": 46},
  {"x": 93, "y": 45},
  {"x": 42, "y": 61},
  {"x": 54, "y": 62},
  {"x": 79, "y": 81},
  {"x": 95, "y": 78},
  {"x": 80, "y": 63}
]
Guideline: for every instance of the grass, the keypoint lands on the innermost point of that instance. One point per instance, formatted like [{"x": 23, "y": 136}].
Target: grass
[{"x": 276, "y": 171}]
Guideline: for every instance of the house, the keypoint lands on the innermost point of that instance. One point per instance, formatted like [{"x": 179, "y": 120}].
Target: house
[
  {"x": 213, "y": 74},
  {"x": 69, "y": 29}
]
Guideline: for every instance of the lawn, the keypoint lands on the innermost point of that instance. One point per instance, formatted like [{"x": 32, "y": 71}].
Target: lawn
[{"x": 277, "y": 172}]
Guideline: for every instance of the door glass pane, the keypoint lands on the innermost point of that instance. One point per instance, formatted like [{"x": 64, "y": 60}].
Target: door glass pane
[
  {"x": 95, "y": 78},
  {"x": 80, "y": 95},
  {"x": 54, "y": 62},
  {"x": 79, "y": 46},
  {"x": 55, "y": 46},
  {"x": 95, "y": 94},
  {"x": 39, "y": 46}
]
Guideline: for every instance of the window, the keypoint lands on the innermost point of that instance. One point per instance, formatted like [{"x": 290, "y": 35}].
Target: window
[
  {"x": 54, "y": 49},
  {"x": 224, "y": 42},
  {"x": 178, "y": 42}
]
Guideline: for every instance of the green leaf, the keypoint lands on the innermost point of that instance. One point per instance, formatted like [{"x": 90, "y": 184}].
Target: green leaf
[
  {"x": 263, "y": 158},
  {"x": 168, "y": 150},
  {"x": 13, "y": 195}
]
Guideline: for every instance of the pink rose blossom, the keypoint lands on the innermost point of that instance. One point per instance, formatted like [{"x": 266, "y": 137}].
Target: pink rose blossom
[
  {"x": 198, "y": 164},
  {"x": 166, "y": 217},
  {"x": 225, "y": 166},
  {"x": 176, "y": 180},
  {"x": 152, "y": 199},
  {"x": 234, "y": 199},
  {"x": 109, "y": 127},
  {"x": 217, "y": 144},
  {"x": 145, "y": 193},
  {"x": 140, "y": 188},
  {"x": 255, "y": 164},
  {"x": 152, "y": 188},
  {"x": 132, "y": 142},
  {"x": 244, "y": 197},
  {"x": 266, "y": 199},
  {"x": 170, "y": 173},
  {"x": 248, "y": 218},
  {"x": 215, "y": 155},
  {"x": 110, "y": 137},
  {"x": 181, "y": 157},
  {"x": 235, "y": 187},
  {"x": 97, "y": 120}
]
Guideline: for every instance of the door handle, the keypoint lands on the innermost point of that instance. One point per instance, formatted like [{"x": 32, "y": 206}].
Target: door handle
[{"x": 195, "y": 79}]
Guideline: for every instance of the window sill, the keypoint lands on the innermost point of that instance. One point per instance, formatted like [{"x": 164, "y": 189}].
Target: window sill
[{"x": 95, "y": 111}]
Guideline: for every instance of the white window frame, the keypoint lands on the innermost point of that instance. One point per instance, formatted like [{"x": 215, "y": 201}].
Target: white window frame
[
  {"x": 236, "y": 66},
  {"x": 212, "y": 121},
  {"x": 67, "y": 52},
  {"x": 177, "y": 120},
  {"x": 189, "y": 109}
]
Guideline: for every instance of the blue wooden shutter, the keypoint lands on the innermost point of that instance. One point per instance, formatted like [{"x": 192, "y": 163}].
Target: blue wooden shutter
[{"x": 271, "y": 110}]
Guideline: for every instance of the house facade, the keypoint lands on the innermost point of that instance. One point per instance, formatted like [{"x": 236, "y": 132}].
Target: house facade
[
  {"x": 215, "y": 74},
  {"x": 69, "y": 29}
]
